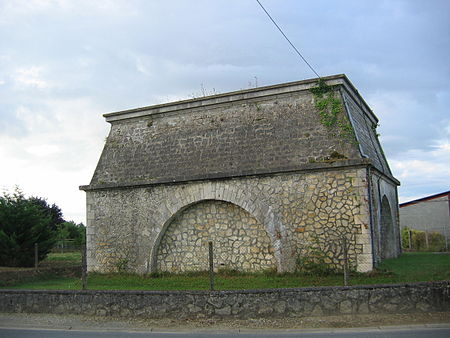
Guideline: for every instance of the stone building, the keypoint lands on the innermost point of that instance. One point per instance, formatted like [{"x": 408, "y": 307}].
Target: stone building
[{"x": 274, "y": 176}]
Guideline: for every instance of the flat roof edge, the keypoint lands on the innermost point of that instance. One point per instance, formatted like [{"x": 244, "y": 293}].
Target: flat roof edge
[
  {"x": 230, "y": 97},
  {"x": 441, "y": 194}
]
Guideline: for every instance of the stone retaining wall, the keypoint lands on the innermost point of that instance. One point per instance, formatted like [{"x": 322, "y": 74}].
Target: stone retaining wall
[{"x": 319, "y": 301}]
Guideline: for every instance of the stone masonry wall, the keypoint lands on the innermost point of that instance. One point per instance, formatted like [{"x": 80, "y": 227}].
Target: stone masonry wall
[
  {"x": 335, "y": 208},
  {"x": 264, "y": 134},
  {"x": 365, "y": 126},
  {"x": 320, "y": 301},
  {"x": 269, "y": 154},
  {"x": 299, "y": 212},
  {"x": 240, "y": 241},
  {"x": 387, "y": 245}
]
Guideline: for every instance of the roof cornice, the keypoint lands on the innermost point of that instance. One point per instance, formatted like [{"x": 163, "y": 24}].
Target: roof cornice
[{"x": 240, "y": 95}]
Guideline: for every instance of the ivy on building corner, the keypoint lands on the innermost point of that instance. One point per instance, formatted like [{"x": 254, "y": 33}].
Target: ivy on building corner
[
  {"x": 331, "y": 110},
  {"x": 374, "y": 129}
]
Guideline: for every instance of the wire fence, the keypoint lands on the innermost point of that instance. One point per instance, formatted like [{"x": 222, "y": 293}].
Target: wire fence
[{"x": 67, "y": 245}]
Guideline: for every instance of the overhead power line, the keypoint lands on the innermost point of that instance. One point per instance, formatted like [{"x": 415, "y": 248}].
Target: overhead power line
[{"x": 281, "y": 31}]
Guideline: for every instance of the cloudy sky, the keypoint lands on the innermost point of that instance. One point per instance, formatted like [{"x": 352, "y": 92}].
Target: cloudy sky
[{"x": 63, "y": 63}]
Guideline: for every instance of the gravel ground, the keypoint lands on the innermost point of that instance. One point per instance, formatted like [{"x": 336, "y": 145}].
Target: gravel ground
[{"x": 75, "y": 322}]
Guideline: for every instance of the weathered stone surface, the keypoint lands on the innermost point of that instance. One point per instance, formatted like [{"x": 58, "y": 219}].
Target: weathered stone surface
[
  {"x": 419, "y": 297},
  {"x": 144, "y": 219},
  {"x": 240, "y": 241},
  {"x": 265, "y": 133},
  {"x": 255, "y": 172}
]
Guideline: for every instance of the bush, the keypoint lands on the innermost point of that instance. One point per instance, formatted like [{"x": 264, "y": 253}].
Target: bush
[
  {"x": 23, "y": 222},
  {"x": 405, "y": 238},
  {"x": 436, "y": 241},
  {"x": 314, "y": 263}
]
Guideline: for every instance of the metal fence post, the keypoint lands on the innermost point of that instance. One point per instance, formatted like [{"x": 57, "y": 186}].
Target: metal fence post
[
  {"x": 36, "y": 256},
  {"x": 344, "y": 244},
  {"x": 83, "y": 267},
  {"x": 211, "y": 266}
]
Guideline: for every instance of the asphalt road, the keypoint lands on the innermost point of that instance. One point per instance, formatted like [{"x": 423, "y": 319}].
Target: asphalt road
[{"x": 409, "y": 332}]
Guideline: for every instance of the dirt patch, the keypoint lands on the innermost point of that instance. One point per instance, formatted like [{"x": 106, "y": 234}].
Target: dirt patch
[{"x": 11, "y": 276}]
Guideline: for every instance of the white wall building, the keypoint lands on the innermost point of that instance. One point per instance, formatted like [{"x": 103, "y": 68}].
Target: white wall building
[{"x": 430, "y": 213}]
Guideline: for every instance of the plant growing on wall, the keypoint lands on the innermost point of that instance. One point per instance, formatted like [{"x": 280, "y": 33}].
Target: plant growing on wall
[
  {"x": 328, "y": 253},
  {"x": 122, "y": 265},
  {"x": 331, "y": 111},
  {"x": 374, "y": 129}
]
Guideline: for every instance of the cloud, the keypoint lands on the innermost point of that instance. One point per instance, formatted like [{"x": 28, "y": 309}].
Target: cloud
[
  {"x": 67, "y": 62},
  {"x": 20, "y": 8},
  {"x": 423, "y": 172},
  {"x": 30, "y": 77},
  {"x": 409, "y": 119},
  {"x": 58, "y": 153}
]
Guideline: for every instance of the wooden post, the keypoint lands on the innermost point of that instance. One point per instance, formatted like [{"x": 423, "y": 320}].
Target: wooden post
[
  {"x": 344, "y": 244},
  {"x": 446, "y": 238},
  {"x": 36, "y": 256},
  {"x": 211, "y": 266},
  {"x": 83, "y": 267}
]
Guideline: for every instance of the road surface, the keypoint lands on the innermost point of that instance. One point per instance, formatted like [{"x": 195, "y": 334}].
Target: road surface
[{"x": 437, "y": 331}]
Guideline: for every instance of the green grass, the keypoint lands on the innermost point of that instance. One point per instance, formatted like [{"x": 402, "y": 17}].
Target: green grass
[
  {"x": 56, "y": 259},
  {"x": 410, "y": 267},
  {"x": 48, "y": 283},
  {"x": 73, "y": 257},
  {"x": 419, "y": 266}
]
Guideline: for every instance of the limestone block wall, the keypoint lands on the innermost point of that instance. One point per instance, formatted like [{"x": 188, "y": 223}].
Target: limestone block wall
[
  {"x": 334, "y": 206},
  {"x": 264, "y": 130},
  {"x": 240, "y": 241},
  {"x": 293, "y": 215},
  {"x": 386, "y": 230}
]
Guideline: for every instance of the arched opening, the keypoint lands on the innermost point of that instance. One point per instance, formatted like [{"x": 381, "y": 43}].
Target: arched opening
[
  {"x": 387, "y": 230},
  {"x": 240, "y": 240}
]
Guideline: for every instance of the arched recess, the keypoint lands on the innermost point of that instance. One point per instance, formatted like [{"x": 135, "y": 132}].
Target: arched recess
[
  {"x": 241, "y": 240},
  {"x": 388, "y": 242}
]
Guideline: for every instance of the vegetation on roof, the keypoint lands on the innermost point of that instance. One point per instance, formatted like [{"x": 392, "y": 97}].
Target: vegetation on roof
[{"x": 331, "y": 111}]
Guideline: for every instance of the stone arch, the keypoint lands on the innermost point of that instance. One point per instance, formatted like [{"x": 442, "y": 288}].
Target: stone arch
[
  {"x": 388, "y": 243},
  {"x": 222, "y": 192},
  {"x": 240, "y": 240}
]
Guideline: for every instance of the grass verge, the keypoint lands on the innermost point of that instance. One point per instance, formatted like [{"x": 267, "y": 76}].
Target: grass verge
[
  {"x": 410, "y": 267},
  {"x": 72, "y": 257}
]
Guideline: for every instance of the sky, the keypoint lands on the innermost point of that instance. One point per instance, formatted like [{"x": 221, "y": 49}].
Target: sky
[{"x": 64, "y": 63}]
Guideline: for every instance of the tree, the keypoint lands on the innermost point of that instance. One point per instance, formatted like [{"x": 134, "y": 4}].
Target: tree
[
  {"x": 24, "y": 222},
  {"x": 72, "y": 231},
  {"x": 53, "y": 211}
]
